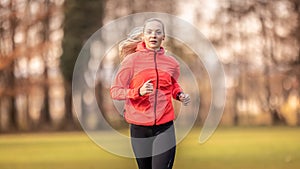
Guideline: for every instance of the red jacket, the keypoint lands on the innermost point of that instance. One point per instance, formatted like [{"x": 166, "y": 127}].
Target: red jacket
[{"x": 137, "y": 68}]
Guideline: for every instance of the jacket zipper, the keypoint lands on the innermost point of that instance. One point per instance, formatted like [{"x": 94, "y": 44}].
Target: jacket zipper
[{"x": 156, "y": 91}]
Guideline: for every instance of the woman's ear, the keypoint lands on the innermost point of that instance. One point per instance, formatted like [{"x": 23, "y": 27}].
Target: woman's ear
[{"x": 163, "y": 37}]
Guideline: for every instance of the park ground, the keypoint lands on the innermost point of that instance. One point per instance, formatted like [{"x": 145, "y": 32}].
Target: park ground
[{"x": 228, "y": 148}]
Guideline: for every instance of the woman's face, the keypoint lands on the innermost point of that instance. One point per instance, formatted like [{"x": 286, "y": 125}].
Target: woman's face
[{"x": 153, "y": 35}]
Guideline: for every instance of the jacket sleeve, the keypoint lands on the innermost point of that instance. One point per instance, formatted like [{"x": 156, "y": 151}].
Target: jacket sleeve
[
  {"x": 120, "y": 86},
  {"x": 176, "y": 87}
]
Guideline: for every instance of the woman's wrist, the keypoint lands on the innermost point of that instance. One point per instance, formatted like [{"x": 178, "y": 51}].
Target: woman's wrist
[{"x": 178, "y": 94}]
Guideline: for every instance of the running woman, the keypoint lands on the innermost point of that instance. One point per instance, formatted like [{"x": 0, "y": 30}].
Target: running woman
[{"x": 148, "y": 80}]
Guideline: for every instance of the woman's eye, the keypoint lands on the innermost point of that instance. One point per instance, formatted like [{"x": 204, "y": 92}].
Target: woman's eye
[{"x": 151, "y": 32}]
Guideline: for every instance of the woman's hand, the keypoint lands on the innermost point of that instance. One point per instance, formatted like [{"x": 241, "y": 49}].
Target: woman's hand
[
  {"x": 146, "y": 88},
  {"x": 184, "y": 98}
]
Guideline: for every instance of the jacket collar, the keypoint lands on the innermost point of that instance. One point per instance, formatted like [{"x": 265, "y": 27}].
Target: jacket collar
[{"x": 142, "y": 47}]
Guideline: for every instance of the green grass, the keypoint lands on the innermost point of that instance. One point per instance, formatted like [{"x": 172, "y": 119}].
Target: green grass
[
  {"x": 243, "y": 148},
  {"x": 228, "y": 148}
]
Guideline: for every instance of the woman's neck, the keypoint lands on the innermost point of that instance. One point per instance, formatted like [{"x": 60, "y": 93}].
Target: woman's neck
[{"x": 155, "y": 50}]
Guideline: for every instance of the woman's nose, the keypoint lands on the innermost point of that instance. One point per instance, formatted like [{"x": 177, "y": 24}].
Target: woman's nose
[{"x": 153, "y": 34}]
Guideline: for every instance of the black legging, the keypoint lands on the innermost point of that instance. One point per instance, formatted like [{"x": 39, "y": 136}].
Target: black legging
[{"x": 154, "y": 146}]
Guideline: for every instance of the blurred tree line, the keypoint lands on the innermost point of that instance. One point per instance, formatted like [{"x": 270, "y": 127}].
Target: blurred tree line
[
  {"x": 257, "y": 41},
  {"x": 259, "y": 47},
  {"x": 31, "y": 85},
  {"x": 39, "y": 43}
]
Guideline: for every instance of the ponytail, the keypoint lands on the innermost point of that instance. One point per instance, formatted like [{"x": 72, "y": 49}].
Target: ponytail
[{"x": 129, "y": 45}]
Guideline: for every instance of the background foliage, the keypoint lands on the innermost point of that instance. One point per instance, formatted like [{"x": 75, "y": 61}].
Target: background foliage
[{"x": 257, "y": 43}]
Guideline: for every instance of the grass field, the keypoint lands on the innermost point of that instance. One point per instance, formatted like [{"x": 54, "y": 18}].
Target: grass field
[{"x": 229, "y": 148}]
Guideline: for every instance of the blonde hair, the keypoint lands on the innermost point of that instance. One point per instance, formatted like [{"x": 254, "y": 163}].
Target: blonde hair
[{"x": 129, "y": 45}]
